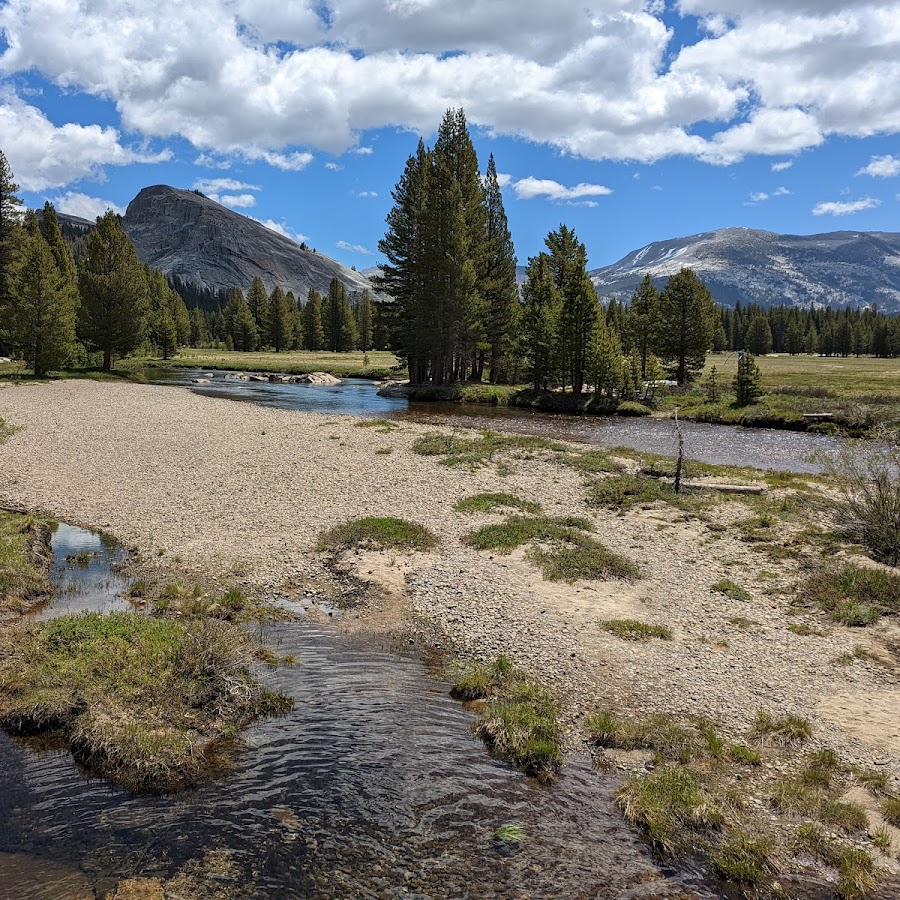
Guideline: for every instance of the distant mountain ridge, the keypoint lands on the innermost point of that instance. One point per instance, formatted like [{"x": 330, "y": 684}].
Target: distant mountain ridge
[
  {"x": 846, "y": 268},
  {"x": 200, "y": 242}
]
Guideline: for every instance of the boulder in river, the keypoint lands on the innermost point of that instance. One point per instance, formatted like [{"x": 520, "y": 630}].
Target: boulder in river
[
  {"x": 319, "y": 378},
  {"x": 395, "y": 389}
]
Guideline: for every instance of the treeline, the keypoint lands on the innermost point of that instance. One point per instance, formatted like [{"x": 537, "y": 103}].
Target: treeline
[
  {"x": 824, "y": 330},
  {"x": 54, "y": 312},
  {"x": 280, "y": 321}
]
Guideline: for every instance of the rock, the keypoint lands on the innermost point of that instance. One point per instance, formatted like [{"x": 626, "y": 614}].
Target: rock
[
  {"x": 318, "y": 378},
  {"x": 5, "y": 359},
  {"x": 194, "y": 239},
  {"x": 395, "y": 389},
  {"x": 199, "y": 381},
  {"x": 258, "y": 377}
]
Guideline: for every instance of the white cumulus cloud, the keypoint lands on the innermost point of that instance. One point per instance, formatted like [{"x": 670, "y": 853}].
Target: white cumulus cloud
[
  {"x": 74, "y": 203},
  {"x": 269, "y": 81},
  {"x": 43, "y": 155},
  {"x": 844, "y": 207},
  {"x": 782, "y": 166},
  {"x": 882, "y": 167},
  {"x": 281, "y": 228},
  {"x": 531, "y": 187},
  {"x": 215, "y": 185}
]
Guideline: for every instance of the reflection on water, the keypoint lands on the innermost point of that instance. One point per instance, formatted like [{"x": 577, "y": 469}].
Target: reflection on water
[
  {"x": 374, "y": 786},
  {"x": 788, "y": 451}
]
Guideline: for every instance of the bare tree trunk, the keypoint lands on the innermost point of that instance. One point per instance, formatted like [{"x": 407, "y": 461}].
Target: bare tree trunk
[{"x": 680, "y": 463}]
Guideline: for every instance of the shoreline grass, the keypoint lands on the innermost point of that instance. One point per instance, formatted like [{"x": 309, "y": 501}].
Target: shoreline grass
[
  {"x": 520, "y": 722},
  {"x": 148, "y": 703},
  {"x": 24, "y": 563},
  {"x": 748, "y": 815}
]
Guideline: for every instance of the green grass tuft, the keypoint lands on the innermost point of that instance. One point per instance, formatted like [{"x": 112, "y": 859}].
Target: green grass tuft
[
  {"x": 509, "y": 834},
  {"x": 632, "y": 630},
  {"x": 668, "y": 805},
  {"x": 519, "y": 530},
  {"x": 377, "y": 533},
  {"x": 491, "y": 502},
  {"x": 745, "y": 858},
  {"x": 854, "y": 595},
  {"x": 789, "y": 729},
  {"x": 745, "y": 756},
  {"x": 890, "y": 809},
  {"x": 731, "y": 590},
  {"x": 478, "y": 451}
]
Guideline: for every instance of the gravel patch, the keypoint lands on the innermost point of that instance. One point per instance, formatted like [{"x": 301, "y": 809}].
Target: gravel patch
[{"x": 239, "y": 488}]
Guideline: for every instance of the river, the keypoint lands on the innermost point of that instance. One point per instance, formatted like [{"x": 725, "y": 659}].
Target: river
[{"x": 787, "y": 451}]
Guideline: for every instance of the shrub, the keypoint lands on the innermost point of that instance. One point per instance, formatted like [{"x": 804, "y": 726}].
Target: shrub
[
  {"x": 869, "y": 481},
  {"x": 854, "y": 595}
]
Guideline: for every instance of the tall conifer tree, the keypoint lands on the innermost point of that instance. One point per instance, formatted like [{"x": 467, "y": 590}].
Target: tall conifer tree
[
  {"x": 281, "y": 323},
  {"x": 113, "y": 291},
  {"x": 39, "y": 310},
  {"x": 313, "y": 331},
  {"x": 10, "y": 227},
  {"x": 687, "y": 319},
  {"x": 499, "y": 287}
]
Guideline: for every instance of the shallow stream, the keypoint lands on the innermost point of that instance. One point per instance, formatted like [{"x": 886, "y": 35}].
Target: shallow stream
[{"x": 374, "y": 786}]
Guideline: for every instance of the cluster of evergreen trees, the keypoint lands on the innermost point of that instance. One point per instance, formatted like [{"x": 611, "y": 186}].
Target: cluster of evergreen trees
[
  {"x": 824, "y": 330},
  {"x": 278, "y": 320},
  {"x": 450, "y": 264},
  {"x": 52, "y": 311}
]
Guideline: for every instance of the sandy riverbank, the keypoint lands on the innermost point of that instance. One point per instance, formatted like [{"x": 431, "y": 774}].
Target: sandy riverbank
[{"x": 238, "y": 488}]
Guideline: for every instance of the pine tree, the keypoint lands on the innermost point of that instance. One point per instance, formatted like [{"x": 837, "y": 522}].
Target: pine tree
[
  {"x": 498, "y": 288},
  {"x": 10, "y": 230},
  {"x": 198, "y": 335},
  {"x": 605, "y": 363},
  {"x": 281, "y": 323},
  {"x": 687, "y": 318},
  {"x": 113, "y": 291},
  {"x": 258, "y": 301},
  {"x": 364, "y": 323},
  {"x": 747, "y": 381},
  {"x": 244, "y": 334},
  {"x": 758, "y": 339},
  {"x": 338, "y": 322},
  {"x": 580, "y": 307},
  {"x": 39, "y": 310},
  {"x": 643, "y": 321},
  {"x": 313, "y": 330},
  {"x": 540, "y": 321},
  {"x": 793, "y": 338},
  {"x": 404, "y": 274}
]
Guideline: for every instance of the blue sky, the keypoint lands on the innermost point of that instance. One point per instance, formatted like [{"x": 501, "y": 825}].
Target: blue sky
[{"x": 629, "y": 120}]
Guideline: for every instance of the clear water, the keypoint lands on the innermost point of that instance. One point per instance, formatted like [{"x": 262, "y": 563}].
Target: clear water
[
  {"x": 374, "y": 786},
  {"x": 761, "y": 448}
]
